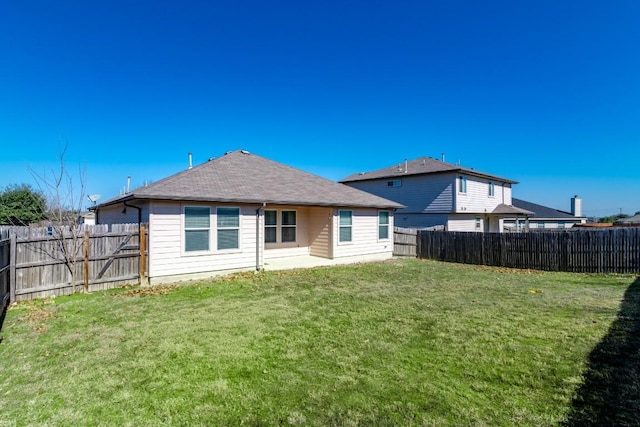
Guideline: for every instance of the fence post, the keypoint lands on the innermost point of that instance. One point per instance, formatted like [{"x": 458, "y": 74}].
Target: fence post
[
  {"x": 86, "y": 261},
  {"x": 143, "y": 250},
  {"x": 12, "y": 269}
]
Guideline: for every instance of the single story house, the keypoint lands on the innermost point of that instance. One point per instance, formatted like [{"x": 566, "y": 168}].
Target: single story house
[
  {"x": 545, "y": 218},
  {"x": 241, "y": 212},
  {"x": 631, "y": 221},
  {"x": 440, "y": 194}
]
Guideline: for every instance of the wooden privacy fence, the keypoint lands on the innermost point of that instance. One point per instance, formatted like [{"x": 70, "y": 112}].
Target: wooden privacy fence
[
  {"x": 405, "y": 241},
  {"x": 5, "y": 269},
  {"x": 102, "y": 257},
  {"x": 616, "y": 250}
]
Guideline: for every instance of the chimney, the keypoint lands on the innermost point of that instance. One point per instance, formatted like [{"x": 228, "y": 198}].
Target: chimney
[
  {"x": 190, "y": 160},
  {"x": 576, "y": 206}
]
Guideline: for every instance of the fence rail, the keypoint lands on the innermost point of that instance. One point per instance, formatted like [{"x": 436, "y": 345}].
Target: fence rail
[
  {"x": 615, "y": 250},
  {"x": 36, "y": 262}
]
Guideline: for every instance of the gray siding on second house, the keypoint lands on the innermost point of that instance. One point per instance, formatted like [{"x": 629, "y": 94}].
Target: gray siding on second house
[{"x": 431, "y": 193}]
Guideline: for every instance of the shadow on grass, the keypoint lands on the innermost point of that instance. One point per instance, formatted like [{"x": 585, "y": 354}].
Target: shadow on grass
[
  {"x": 2, "y": 316},
  {"x": 610, "y": 394}
]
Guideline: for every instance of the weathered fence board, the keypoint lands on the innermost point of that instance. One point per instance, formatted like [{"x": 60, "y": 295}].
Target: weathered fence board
[
  {"x": 616, "y": 250},
  {"x": 405, "y": 241},
  {"x": 98, "y": 257},
  {"x": 5, "y": 270}
]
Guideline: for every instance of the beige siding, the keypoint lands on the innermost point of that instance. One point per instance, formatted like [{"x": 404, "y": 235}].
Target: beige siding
[
  {"x": 301, "y": 245},
  {"x": 320, "y": 232},
  {"x": 364, "y": 235},
  {"x": 465, "y": 223},
  {"x": 166, "y": 245}
]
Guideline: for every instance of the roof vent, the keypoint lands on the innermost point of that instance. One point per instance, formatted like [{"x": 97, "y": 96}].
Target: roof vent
[{"x": 244, "y": 152}]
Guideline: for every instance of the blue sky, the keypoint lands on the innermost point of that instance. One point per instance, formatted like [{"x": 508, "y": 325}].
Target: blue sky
[{"x": 546, "y": 93}]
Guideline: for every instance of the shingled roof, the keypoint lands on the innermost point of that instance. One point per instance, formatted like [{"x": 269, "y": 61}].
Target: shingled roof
[
  {"x": 421, "y": 166},
  {"x": 539, "y": 211},
  {"x": 242, "y": 177}
]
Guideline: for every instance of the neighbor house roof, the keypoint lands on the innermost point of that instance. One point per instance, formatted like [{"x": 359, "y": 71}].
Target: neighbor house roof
[
  {"x": 503, "y": 209},
  {"x": 629, "y": 220},
  {"x": 421, "y": 166},
  {"x": 541, "y": 212},
  {"x": 242, "y": 177}
]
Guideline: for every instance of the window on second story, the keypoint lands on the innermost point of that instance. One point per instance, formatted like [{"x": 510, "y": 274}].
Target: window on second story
[
  {"x": 394, "y": 183},
  {"x": 462, "y": 184},
  {"x": 492, "y": 189}
]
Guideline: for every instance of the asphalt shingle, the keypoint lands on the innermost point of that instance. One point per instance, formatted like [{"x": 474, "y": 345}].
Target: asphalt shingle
[{"x": 243, "y": 177}]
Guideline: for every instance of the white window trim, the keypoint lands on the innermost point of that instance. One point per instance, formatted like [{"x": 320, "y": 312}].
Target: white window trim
[
  {"x": 183, "y": 237},
  {"x": 230, "y": 250},
  {"x": 388, "y": 225},
  {"x": 282, "y": 226},
  {"x": 348, "y": 242},
  {"x": 462, "y": 185},
  {"x": 271, "y": 226}
]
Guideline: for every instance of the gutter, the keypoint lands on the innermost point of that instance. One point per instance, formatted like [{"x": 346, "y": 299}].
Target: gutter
[{"x": 135, "y": 207}]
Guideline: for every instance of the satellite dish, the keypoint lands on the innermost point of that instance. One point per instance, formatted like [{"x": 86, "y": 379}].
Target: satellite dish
[{"x": 93, "y": 198}]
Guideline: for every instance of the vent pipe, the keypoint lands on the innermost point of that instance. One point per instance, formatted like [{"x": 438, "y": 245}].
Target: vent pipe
[
  {"x": 128, "y": 183},
  {"x": 406, "y": 166},
  {"x": 442, "y": 157},
  {"x": 190, "y": 160}
]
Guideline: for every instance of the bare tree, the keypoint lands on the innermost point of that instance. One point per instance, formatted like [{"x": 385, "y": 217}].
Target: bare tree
[{"x": 65, "y": 197}]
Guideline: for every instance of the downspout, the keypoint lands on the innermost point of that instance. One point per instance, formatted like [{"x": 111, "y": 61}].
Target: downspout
[
  {"x": 260, "y": 238},
  {"x": 135, "y": 207}
]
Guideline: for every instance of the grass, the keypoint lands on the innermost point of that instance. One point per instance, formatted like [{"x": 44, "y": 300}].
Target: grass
[{"x": 404, "y": 342}]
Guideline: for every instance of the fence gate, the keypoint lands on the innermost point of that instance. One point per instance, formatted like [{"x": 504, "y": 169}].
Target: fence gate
[{"x": 101, "y": 257}]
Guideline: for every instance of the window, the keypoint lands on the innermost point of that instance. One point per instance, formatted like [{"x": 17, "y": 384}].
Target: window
[
  {"x": 462, "y": 184},
  {"x": 383, "y": 225},
  {"x": 346, "y": 222},
  {"x": 478, "y": 223},
  {"x": 196, "y": 228},
  {"x": 394, "y": 183},
  {"x": 270, "y": 226},
  {"x": 228, "y": 228},
  {"x": 288, "y": 231},
  {"x": 541, "y": 224},
  {"x": 492, "y": 189},
  {"x": 561, "y": 225}
]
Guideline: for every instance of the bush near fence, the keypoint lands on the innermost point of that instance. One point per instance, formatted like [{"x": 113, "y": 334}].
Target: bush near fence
[{"x": 614, "y": 250}]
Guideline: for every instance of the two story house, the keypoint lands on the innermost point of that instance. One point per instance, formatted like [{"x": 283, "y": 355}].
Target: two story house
[{"x": 437, "y": 193}]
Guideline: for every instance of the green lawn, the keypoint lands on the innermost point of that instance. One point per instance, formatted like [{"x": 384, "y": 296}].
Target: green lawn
[{"x": 403, "y": 342}]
